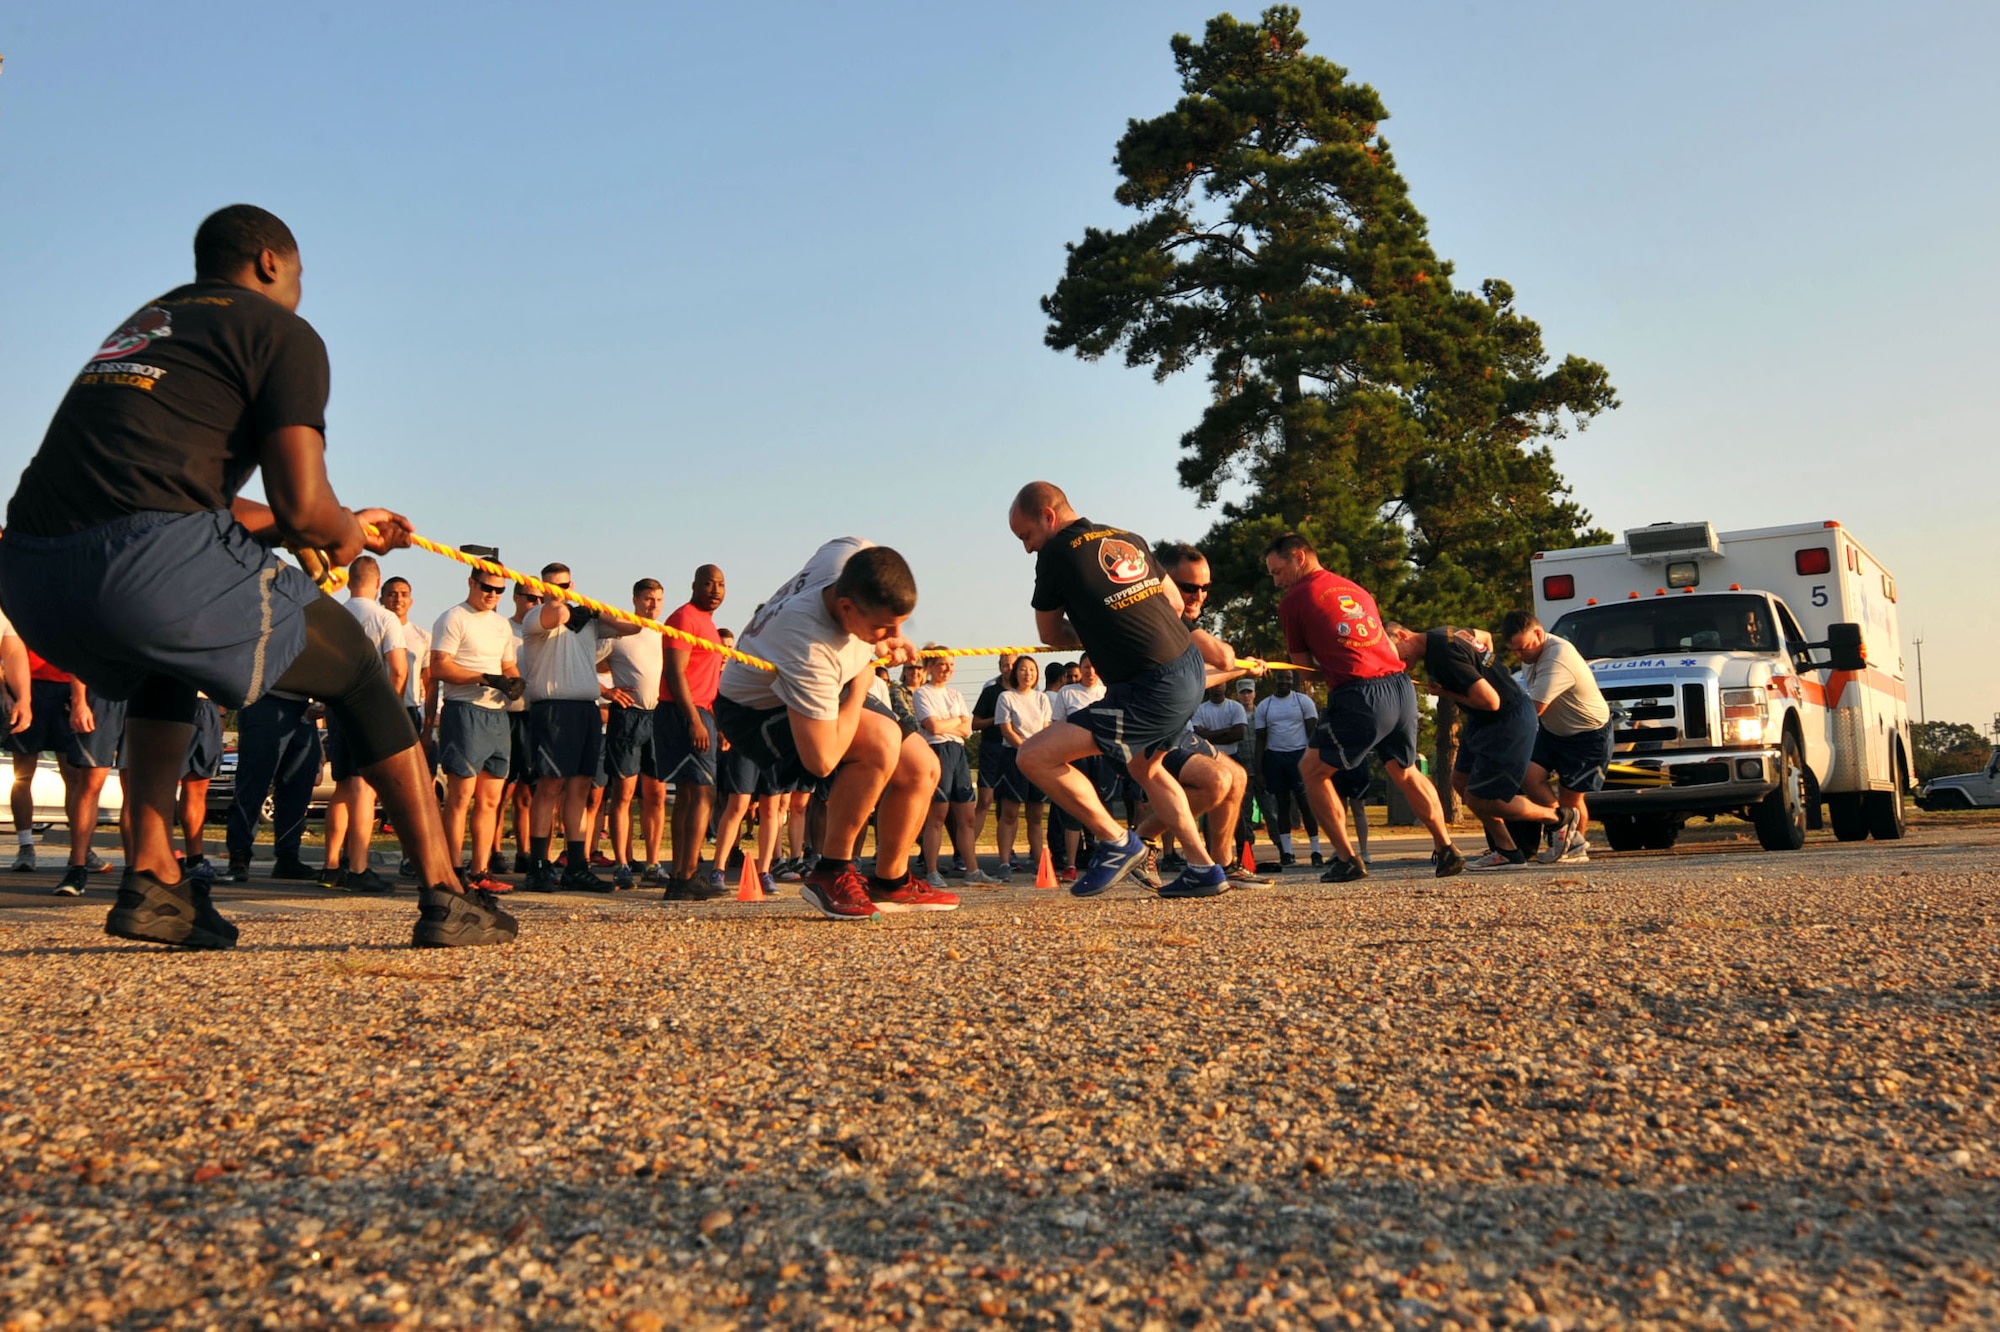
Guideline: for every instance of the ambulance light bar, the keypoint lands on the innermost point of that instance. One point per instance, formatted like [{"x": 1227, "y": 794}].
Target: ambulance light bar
[{"x": 1672, "y": 541}]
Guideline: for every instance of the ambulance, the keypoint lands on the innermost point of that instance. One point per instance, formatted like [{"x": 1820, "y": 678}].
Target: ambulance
[{"x": 1756, "y": 673}]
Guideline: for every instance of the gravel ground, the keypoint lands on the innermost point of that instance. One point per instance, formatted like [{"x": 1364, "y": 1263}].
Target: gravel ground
[{"x": 1709, "y": 1089}]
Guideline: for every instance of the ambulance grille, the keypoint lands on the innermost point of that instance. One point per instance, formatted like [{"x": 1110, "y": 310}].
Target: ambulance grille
[
  {"x": 1651, "y": 704},
  {"x": 1694, "y": 712}
]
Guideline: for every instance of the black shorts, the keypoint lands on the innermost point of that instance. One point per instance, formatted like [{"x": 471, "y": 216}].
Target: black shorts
[
  {"x": 954, "y": 774},
  {"x": 1352, "y": 783},
  {"x": 48, "y": 726},
  {"x": 473, "y": 741},
  {"x": 337, "y": 757},
  {"x": 1148, "y": 713},
  {"x": 204, "y": 755},
  {"x": 1363, "y": 717},
  {"x": 520, "y": 747},
  {"x": 1280, "y": 770},
  {"x": 567, "y": 736},
  {"x": 989, "y": 763},
  {"x": 1579, "y": 760},
  {"x": 1012, "y": 785},
  {"x": 673, "y": 740},
  {"x": 104, "y": 744},
  {"x": 630, "y": 743},
  {"x": 1190, "y": 746},
  {"x": 1494, "y": 754}
]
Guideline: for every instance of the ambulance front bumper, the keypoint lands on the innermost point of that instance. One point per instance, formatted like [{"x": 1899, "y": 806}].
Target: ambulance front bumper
[{"x": 1692, "y": 779}]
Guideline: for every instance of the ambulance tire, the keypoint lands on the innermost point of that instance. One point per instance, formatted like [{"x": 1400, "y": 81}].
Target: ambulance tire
[
  {"x": 1781, "y": 816},
  {"x": 1848, "y": 815},
  {"x": 1622, "y": 832},
  {"x": 1661, "y": 833},
  {"x": 1885, "y": 808}
]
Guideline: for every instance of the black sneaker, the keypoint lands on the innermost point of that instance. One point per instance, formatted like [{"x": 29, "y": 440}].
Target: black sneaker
[
  {"x": 1173, "y": 862},
  {"x": 293, "y": 869},
  {"x": 179, "y": 914},
  {"x": 521, "y": 862},
  {"x": 1344, "y": 871},
  {"x": 541, "y": 877},
  {"x": 701, "y": 888},
  {"x": 622, "y": 878},
  {"x": 370, "y": 883},
  {"x": 583, "y": 879},
  {"x": 75, "y": 880},
  {"x": 333, "y": 877},
  {"x": 407, "y": 870},
  {"x": 1286, "y": 860},
  {"x": 459, "y": 920},
  {"x": 1318, "y": 860},
  {"x": 1448, "y": 861},
  {"x": 239, "y": 869}
]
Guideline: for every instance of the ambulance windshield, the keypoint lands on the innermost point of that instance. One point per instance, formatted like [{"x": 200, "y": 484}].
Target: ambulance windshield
[{"x": 1670, "y": 624}]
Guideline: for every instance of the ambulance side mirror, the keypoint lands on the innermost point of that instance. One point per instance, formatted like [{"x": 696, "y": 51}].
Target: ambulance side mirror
[{"x": 1843, "y": 641}]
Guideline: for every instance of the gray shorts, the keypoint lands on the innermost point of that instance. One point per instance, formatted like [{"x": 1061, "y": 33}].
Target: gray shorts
[{"x": 473, "y": 740}]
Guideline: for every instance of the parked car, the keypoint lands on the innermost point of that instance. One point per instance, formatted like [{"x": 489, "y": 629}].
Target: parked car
[
  {"x": 48, "y": 791},
  {"x": 222, "y": 790},
  {"x": 1968, "y": 790}
]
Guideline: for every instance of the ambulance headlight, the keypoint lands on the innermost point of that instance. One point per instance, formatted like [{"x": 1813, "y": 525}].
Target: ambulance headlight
[{"x": 1743, "y": 717}]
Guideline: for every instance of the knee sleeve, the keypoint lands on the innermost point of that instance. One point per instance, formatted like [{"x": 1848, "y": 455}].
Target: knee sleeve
[
  {"x": 341, "y": 668},
  {"x": 162, "y": 698}
]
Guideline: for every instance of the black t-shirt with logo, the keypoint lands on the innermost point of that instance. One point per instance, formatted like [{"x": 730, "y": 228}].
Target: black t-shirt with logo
[
  {"x": 1455, "y": 665},
  {"x": 169, "y": 413},
  {"x": 1106, "y": 579}
]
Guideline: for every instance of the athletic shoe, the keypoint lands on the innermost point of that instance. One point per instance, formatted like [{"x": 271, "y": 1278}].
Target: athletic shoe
[
  {"x": 715, "y": 881},
  {"x": 701, "y": 888},
  {"x": 935, "y": 879},
  {"x": 239, "y": 869},
  {"x": 621, "y": 878},
  {"x": 768, "y": 884},
  {"x": 840, "y": 894},
  {"x": 1448, "y": 861},
  {"x": 598, "y": 860},
  {"x": 1172, "y": 862},
  {"x": 1344, "y": 871},
  {"x": 955, "y": 867},
  {"x": 154, "y": 912},
  {"x": 651, "y": 877},
  {"x": 1109, "y": 862},
  {"x": 1065, "y": 876},
  {"x": 521, "y": 862},
  {"x": 580, "y": 879},
  {"x": 912, "y": 894},
  {"x": 1005, "y": 874},
  {"x": 458, "y": 920},
  {"x": 369, "y": 883},
  {"x": 199, "y": 868},
  {"x": 790, "y": 871},
  {"x": 981, "y": 879},
  {"x": 1497, "y": 859},
  {"x": 1209, "y": 882},
  {"x": 541, "y": 877},
  {"x": 1575, "y": 851},
  {"x": 1286, "y": 860},
  {"x": 1248, "y": 878},
  {"x": 484, "y": 882},
  {"x": 93, "y": 862},
  {"x": 24, "y": 859},
  {"x": 1020, "y": 866},
  {"x": 294, "y": 869},
  {"x": 1318, "y": 860},
  {"x": 74, "y": 881},
  {"x": 334, "y": 877},
  {"x": 407, "y": 869},
  {"x": 1147, "y": 873}
]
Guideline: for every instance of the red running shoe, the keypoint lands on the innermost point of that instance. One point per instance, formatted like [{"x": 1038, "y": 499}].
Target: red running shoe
[
  {"x": 838, "y": 894},
  {"x": 598, "y": 860},
  {"x": 1066, "y": 876},
  {"x": 912, "y": 894},
  {"x": 483, "y": 881}
]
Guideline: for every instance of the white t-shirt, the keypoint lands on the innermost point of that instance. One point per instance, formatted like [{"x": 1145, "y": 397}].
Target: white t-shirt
[
  {"x": 1287, "y": 722},
  {"x": 418, "y": 640},
  {"x": 1219, "y": 717},
  {"x": 479, "y": 641},
  {"x": 384, "y": 630},
  {"x": 559, "y": 663},
  {"x": 1028, "y": 711},
  {"x": 1564, "y": 681},
  {"x": 637, "y": 661},
  {"x": 942, "y": 702},
  {"x": 1074, "y": 698},
  {"x": 795, "y": 632}
]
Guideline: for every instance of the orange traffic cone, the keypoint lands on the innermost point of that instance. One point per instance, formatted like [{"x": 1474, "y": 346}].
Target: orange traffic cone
[
  {"x": 750, "y": 888},
  {"x": 1045, "y": 873},
  {"x": 1250, "y": 857}
]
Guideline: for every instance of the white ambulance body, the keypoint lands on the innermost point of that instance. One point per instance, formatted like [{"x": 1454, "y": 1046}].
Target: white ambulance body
[{"x": 1712, "y": 649}]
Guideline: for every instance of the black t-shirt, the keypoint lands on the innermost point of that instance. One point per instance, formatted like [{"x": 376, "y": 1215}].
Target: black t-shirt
[
  {"x": 983, "y": 710},
  {"x": 1106, "y": 579},
  {"x": 1454, "y": 665},
  {"x": 168, "y": 415}
]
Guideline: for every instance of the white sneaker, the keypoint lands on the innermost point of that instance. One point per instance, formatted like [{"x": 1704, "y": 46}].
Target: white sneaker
[
  {"x": 95, "y": 863},
  {"x": 1553, "y": 852},
  {"x": 24, "y": 860},
  {"x": 1493, "y": 860},
  {"x": 981, "y": 878},
  {"x": 1575, "y": 852}
]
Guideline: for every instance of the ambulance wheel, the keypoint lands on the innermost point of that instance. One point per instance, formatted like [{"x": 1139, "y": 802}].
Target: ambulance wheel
[
  {"x": 1885, "y": 808},
  {"x": 1781, "y": 816},
  {"x": 1848, "y": 816},
  {"x": 1660, "y": 833}
]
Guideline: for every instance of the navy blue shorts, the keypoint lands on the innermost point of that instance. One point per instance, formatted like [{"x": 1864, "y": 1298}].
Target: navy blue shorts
[
  {"x": 186, "y": 595},
  {"x": 520, "y": 747},
  {"x": 989, "y": 761},
  {"x": 1011, "y": 784},
  {"x": 764, "y": 737},
  {"x": 567, "y": 737},
  {"x": 1578, "y": 759},
  {"x": 1148, "y": 713},
  {"x": 48, "y": 725},
  {"x": 204, "y": 756},
  {"x": 680, "y": 761},
  {"x": 1494, "y": 754},
  {"x": 473, "y": 741},
  {"x": 629, "y": 744},
  {"x": 954, "y": 774},
  {"x": 1364, "y": 717},
  {"x": 735, "y": 774},
  {"x": 1280, "y": 770},
  {"x": 102, "y": 745},
  {"x": 1190, "y": 746},
  {"x": 1352, "y": 783}
]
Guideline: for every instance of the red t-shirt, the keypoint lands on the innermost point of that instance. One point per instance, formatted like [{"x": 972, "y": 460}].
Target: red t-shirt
[
  {"x": 704, "y": 668},
  {"x": 1335, "y": 620},
  {"x": 41, "y": 670}
]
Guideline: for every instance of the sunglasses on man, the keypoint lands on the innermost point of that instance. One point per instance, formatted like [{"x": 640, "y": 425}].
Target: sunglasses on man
[
  {"x": 491, "y": 590},
  {"x": 1192, "y": 589}
]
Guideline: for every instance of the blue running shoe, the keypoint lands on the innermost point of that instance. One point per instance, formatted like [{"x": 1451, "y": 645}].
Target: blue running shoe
[
  {"x": 1210, "y": 882},
  {"x": 1109, "y": 862}
]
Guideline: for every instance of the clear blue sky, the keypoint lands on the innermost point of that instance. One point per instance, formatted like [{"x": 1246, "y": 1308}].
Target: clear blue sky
[{"x": 640, "y": 286}]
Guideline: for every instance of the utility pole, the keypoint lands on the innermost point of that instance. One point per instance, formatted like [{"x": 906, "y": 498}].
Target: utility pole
[{"x": 1919, "y": 640}]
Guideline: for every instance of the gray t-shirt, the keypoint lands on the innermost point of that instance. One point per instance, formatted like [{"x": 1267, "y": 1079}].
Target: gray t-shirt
[
  {"x": 559, "y": 663},
  {"x": 1563, "y": 681},
  {"x": 794, "y": 631}
]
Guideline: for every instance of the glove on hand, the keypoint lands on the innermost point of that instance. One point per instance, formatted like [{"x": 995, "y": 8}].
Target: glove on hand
[
  {"x": 579, "y": 616},
  {"x": 511, "y": 686}
]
